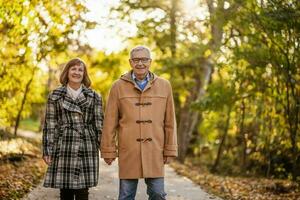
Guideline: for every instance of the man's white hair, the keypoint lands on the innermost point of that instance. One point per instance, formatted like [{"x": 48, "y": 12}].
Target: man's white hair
[{"x": 140, "y": 48}]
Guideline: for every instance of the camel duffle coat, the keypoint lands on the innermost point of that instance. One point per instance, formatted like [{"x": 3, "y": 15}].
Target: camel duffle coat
[
  {"x": 143, "y": 124},
  {"x": 71, "y": 136}
]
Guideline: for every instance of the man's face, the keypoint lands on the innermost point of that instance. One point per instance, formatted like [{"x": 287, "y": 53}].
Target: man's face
[{"x": 140, "y": 63}]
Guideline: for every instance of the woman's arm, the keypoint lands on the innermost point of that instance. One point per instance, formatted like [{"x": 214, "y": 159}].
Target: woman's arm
[
  {"x": 49, "y": 129},
  {"x": 98, "y": 117}
]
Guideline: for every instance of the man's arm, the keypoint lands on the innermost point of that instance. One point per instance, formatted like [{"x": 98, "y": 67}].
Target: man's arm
[
  {"x": 170, "y": 145},
  {"x": 111, "y": 120}
]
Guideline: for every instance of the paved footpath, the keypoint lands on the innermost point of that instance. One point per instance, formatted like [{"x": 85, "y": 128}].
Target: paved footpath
[{"x": 177, "y": 187}]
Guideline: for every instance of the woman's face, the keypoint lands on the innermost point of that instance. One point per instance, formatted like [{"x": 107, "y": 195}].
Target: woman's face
[{"x": 75, "y": 74}]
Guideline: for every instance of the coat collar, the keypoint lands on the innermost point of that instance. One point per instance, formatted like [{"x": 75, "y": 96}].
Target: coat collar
[
  {"x": 62, "y": 92},
  {"x": 128, "y": 77},
  {"x": 68, "y": 103}
]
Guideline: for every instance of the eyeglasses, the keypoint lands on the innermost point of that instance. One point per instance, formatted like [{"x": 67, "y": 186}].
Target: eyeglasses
[{"x": 143, "y": 60}]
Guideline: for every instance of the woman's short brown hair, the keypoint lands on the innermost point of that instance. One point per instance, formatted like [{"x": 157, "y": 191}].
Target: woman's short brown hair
[{"x": 63, "y": 79}]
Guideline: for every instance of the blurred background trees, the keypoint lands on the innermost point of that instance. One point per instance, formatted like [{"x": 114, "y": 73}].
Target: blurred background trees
[{"x": 233, "y": 64}]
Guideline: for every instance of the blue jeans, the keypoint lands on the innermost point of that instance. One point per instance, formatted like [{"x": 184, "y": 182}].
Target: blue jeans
[{"x": 155, "y": 188}]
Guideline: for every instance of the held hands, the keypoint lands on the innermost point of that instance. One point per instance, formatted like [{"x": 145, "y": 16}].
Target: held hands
[
  {"x": 167, "y": 159},
  {"x": 109, "y": 160},
  {"x": 47, "y": 159}
]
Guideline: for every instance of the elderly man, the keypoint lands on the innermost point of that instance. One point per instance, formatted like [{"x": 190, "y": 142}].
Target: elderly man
[{"x": 140, "y": 127}]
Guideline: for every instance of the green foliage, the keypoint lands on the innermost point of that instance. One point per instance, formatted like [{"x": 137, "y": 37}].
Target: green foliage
[
  {"x": 30, "y": 124},
  {"x": 262, "y": 88},
  {"x": 237, "y": 65},
  {"x": 32, "y": 32}
]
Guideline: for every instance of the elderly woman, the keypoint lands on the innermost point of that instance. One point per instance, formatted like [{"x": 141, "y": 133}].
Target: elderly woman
[{"x": 72, "y": 133}]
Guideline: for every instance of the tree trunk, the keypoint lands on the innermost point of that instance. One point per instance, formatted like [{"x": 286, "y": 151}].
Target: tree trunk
[
  {"x": 292, "y": 113},
  {"x": 243, "y": 138},
  {"x": 268, "y": 132},
  {"x": 27, "y": 87},
  {"x": 187, "y": 127},
  {"x": 220, "y": 150},
  {"x": 173, "y": 28},
  {"x": 188, "y": 118}
]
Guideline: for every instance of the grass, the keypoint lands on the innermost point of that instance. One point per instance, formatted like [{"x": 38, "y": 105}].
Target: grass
[{"x": 30, "y": 124}]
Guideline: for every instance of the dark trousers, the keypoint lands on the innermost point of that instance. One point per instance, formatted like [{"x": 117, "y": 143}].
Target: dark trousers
[{"x": 78, "y": 194}]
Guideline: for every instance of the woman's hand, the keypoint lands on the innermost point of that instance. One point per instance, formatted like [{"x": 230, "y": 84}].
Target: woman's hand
[
  {"x": 109, "y": 160},
  {"x": 47, "y": 159},
  {"x": 168, "y": 159}
]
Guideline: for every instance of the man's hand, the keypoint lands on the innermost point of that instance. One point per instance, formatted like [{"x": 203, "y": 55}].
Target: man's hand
[
  {"x": 167, "y": 159},
  {"x": 47, "y": 159},
  {"x": 109, "y": 160}
]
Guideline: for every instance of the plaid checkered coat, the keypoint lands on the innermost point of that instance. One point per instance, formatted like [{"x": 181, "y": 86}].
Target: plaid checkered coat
[{"x": 71, "y": 136}]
